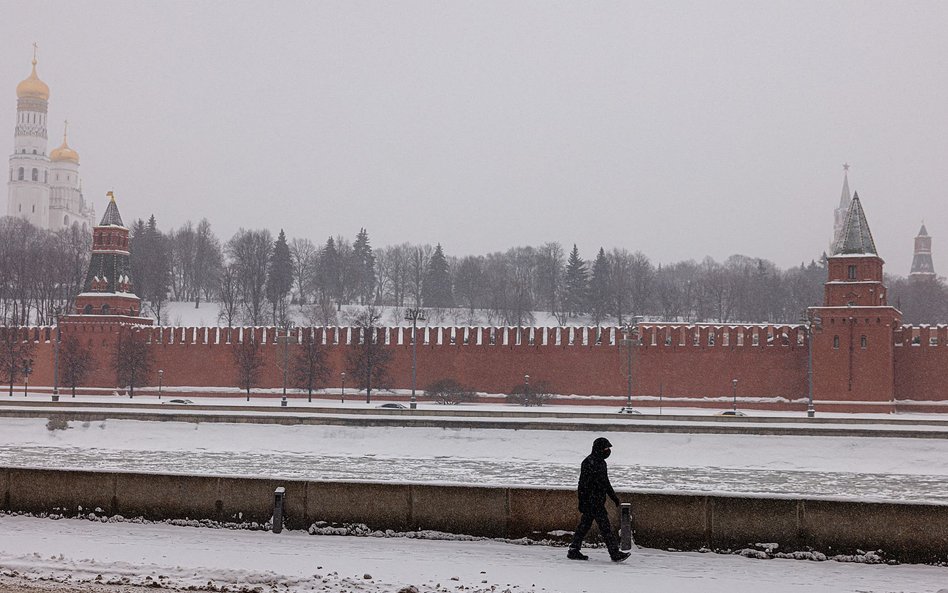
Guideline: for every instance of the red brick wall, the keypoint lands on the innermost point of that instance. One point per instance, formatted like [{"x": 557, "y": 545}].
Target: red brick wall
[
  {"x": 671, "y": 360},
  {"x": 920, "y": 364}
]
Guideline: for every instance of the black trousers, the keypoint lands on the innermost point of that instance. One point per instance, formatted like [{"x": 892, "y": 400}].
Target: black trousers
[{"x": 601, "y": 517}]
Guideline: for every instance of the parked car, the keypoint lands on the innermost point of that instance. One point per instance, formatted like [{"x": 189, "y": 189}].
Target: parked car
[
  {"x": 628, "y": 410},
  {"x": 177, "y": 401},
  {"x": 393, "y": 406},
  {"x": 731, "y": 413}
]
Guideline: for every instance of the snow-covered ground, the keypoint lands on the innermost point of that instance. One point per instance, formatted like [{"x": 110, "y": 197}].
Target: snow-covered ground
[
  {"x": 184, "y": 313},
  {"x": 77, "y": 551},
  {"x": 863, "y": 468}
]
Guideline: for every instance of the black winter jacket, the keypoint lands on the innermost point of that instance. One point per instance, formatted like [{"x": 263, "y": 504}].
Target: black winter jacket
[{"x": 594, "y": 483}]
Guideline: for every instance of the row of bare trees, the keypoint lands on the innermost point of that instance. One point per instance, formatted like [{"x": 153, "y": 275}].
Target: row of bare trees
[{"x": 253, "y": 279}]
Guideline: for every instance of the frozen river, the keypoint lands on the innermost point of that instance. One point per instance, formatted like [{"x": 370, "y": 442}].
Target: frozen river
[{"x": 863, "y": 468}]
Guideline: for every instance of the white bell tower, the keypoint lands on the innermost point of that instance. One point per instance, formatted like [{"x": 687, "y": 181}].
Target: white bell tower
[{"x": 28, "y": 194}]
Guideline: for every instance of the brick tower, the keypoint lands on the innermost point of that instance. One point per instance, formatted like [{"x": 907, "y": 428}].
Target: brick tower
[
  {"x": 108, "y": 289},
  {"x": 922, "y": 265},
  {"x": 853, "y": 339}
]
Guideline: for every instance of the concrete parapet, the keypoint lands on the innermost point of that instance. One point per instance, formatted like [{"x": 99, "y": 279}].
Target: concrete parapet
[{"x": 905, "y": 531}]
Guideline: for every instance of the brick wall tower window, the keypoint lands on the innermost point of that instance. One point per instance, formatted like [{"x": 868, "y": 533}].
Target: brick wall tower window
[
  {"x": 851, "y": 272},
  {"x": 836, "y": 342},
  {"x": 863, "y": 342}
]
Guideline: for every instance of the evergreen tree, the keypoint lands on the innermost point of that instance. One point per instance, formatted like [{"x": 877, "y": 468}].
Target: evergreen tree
[
  {"x": 436, "y": 290},
  {"x": 363, "y": 267},
  {"x": 279, "y": 277},
  {"x": 599, "y": 300},
  {"x": 328, "y": 269},
  {"x": 577, "y": 283},
  {"x": 150, "y": 264}
]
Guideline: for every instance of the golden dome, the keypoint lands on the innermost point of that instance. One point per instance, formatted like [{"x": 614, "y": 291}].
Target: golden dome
[
  {"x": 64, "y": 153},
  {"x": 32, "y": 87}
]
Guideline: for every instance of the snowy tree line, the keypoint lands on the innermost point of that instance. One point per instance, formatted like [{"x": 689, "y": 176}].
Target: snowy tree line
[{"x": 254, "y": 278}]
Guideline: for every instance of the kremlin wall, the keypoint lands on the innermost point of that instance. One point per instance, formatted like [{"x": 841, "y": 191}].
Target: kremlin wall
[{"x": 862, "y": 358}]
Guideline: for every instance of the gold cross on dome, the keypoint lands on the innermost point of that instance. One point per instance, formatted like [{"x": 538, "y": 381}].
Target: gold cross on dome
[{"x": 35, "y": 47}]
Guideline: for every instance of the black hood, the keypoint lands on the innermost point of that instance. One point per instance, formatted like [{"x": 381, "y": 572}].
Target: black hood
[{"x": 599, "y": 445}]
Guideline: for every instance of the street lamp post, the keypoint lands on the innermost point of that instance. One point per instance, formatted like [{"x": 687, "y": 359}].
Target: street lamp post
[
  {"x": 161, "y": 375},
  {"x": 286, "y": 342},
  {"x": 811, "y": 325},
  {"x": 526, "y": 390},
  {"x": 734, "y": 395},
  {"x": 56, "y": 335},
  {"x": 343, "y": 386},
  {"x": 414, "y": 315}
]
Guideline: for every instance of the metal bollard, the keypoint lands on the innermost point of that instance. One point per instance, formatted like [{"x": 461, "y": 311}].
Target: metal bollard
[
  {"x": 278, "y": 497},
  {"x": 283, "y": 402},
  {"x": 625, "y": 521}
]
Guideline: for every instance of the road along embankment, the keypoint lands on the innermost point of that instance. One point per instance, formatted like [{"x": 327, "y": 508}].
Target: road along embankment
[
  {"x": 907, "y": 532},
  {"x": 405, "y": 418}
]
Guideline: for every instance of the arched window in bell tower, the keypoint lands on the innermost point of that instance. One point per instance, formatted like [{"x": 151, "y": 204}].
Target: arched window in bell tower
[
  {"x": 45, "y": 176},
  {"x": 20, "y": 174},
  {"x": 36, "y": 174}
]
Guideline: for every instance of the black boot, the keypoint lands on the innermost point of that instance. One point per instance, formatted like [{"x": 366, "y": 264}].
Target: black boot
[
  {"x": 619, "y": 556},
  {"x": 575, "y": 554}
]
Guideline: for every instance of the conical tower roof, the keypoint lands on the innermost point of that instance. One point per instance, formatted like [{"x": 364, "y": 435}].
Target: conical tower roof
[
  {"x": 856, "y": 238},
  {"x": 923, "y": 232},
  {"x": 112, "y": 216}
]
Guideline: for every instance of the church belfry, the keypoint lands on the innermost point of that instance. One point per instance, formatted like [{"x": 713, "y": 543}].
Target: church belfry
[
  {"x": 43, "y": 189},
  {"x": 28, "y": 189}
]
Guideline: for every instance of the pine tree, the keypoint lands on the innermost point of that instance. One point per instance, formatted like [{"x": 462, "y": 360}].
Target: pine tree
[
  {"x": 279, "y": 276},
  {"x": 577, "y": 283},
  {"x": 363, "y": 267},
  {"x": 436, "y": 291},
  {"x": 599, "y": 288},
  {"x": 327, "y": 274}
]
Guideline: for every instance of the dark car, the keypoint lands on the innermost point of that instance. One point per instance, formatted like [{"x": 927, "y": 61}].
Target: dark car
[
  {"x": 177, "y": 401},
  {"x": 628, "y": 410},
  {"x": 731, "y": 413},
  {"x": 392, "y": 406}
]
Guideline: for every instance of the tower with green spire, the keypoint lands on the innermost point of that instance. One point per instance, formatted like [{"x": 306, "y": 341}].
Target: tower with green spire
[
  {"x": 108, "y": 288},
  {"x": 852, "y": 334}
]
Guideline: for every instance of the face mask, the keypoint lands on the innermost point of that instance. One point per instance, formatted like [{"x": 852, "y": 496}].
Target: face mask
[{"x": 606, "y": 453}]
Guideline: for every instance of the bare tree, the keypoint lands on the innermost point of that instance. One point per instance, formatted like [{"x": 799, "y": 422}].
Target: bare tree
[
  {"x": 248, "y": 361},
  {"x": 76, "y": 362},
  {"x": 310, "y": 366},
  {"x": 368, "y": 360},
  {"x": 131, "y": 360},
  {"x": 304, "y": 256},
  {"x": 229, "y": 293},
  {"x": 249, "y": 252},
  {"x": 16, "y": 350}
]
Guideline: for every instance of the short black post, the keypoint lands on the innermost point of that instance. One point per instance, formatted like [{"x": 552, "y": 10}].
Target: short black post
[
  {"x": 625, "y": 522},
  {"x": 278, "y": 497}
]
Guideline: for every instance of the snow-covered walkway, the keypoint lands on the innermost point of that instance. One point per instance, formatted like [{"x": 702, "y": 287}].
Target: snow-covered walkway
[{"x": 77, "y": 550}]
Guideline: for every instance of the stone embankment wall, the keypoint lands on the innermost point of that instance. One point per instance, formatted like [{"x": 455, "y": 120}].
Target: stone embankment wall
[{"x": 908, "y": 532}]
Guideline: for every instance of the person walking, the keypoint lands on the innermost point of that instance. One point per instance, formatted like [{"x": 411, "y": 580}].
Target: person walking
[{"x": 593, "y": 488}]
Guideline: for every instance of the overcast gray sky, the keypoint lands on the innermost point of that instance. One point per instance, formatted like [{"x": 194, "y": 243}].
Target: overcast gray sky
[{"x": 681, "y": 129}]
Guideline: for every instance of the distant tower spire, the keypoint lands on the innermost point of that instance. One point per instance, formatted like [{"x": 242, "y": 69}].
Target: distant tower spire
[
  {"x": 842, "y": 211},
  {"x": 922, "y": 265}
]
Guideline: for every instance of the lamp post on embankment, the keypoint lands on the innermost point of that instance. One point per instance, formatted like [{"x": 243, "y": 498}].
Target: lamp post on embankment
[
  {"x": 812, "y": 324},
  {"x": 734, "y": 395},
  {"x": 414, "y": 315}
]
